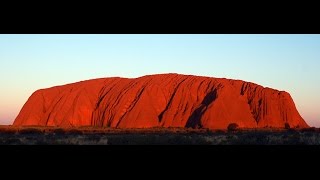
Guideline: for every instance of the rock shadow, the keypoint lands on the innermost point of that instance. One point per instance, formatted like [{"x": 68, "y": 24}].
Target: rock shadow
[{"x": 194, "y": 119}]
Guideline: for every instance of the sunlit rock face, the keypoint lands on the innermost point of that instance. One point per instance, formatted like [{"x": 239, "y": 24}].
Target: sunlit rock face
[{"x": 164, "y": 100}]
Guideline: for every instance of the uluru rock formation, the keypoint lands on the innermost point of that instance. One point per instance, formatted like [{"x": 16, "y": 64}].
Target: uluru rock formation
[{"x": 164, "y": 100}]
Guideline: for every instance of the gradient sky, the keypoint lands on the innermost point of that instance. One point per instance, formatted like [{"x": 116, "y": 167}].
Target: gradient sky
[{"x": 283, "y": 62}]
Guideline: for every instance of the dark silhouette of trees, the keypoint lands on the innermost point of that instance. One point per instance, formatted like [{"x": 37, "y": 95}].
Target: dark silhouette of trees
[{"x": 233, "y": 127}]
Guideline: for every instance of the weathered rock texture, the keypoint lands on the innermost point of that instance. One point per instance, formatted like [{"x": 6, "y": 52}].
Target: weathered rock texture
[{"x": 165, "y": 100}]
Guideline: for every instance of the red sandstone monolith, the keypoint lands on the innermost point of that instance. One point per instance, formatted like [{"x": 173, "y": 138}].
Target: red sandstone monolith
[{"x": 165, "y": 100}]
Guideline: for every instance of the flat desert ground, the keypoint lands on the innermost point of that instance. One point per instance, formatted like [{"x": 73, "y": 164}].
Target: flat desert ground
[{"x": 10, "y": 135}]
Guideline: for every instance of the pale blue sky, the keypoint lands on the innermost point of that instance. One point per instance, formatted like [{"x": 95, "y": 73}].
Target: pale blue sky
[{"x": 284, "y": 62}]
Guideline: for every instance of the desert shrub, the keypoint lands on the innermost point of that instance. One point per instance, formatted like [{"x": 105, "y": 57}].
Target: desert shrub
[
  {"x": 287, "y": 126},
  {"x": 8, "y": 130},
  {"x": 75, "y": 132},
  {"x": 311, "y": 129},
  {"x": 219, "y": 131},
  {"x": 233, "y": 127},
  {"x": 30, "y": 131},
  {"x": 59, "y": 131},
  {"x": 292, "y": 130}
]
